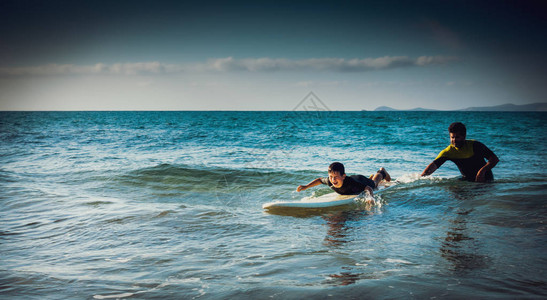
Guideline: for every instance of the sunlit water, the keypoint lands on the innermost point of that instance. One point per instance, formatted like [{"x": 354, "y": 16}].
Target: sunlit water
[{"x": 144, "y": 205}]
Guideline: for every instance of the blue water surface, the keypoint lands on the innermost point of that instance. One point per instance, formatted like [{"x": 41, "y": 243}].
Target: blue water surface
[{"x": 145, "y": 205}]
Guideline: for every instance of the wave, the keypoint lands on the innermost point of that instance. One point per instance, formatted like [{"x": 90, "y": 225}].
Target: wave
[
  {"x": 247, "y": 187},
  {"x": 203, "y": 179}
]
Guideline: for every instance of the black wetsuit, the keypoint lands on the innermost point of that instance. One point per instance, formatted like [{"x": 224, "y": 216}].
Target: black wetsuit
[
  {"x": 470, "y": 159},
  {"x": 352, "y": 185}
]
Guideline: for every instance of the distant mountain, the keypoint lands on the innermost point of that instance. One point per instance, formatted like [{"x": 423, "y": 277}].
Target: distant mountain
[
  {"x": 423, "y": 109},
  {"x": 541, "y": 106},
  {"x": 387, "y": 108},
  {"x": 510, "y": 107}
]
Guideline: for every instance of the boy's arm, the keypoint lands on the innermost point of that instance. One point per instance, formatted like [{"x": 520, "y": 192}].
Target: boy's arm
[
  {"x": 370, "y": 200},
  {"x": 368, "y": 189},
  {"x": 316, "y": 182}
]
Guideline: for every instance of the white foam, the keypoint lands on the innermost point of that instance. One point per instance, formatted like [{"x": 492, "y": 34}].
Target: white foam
[
  {"x": 397, "y": 261},
  {"x": 167, "y": 283},
  {"x": 116, "y": 296},
  {"x": 120, "y": 260},
  {"x": 408, "y": 178}
]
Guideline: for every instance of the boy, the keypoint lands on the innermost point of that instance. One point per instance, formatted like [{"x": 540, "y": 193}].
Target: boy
[{"x": 347, "y": 185}]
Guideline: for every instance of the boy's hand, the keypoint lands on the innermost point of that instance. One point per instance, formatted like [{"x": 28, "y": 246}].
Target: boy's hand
[
  {"x": 369, "y": 199},
  {"x": 369, "y": 190},
  {"x": 300, "y": 188}
]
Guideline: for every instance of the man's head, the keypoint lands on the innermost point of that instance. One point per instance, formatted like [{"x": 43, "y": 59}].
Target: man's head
[
  {"x": 337, "y": 174},
  {"x": 457, "y": 134}
]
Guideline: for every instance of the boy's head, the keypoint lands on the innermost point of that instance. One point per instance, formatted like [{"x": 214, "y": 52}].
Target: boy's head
[
  {"x": 457, "y": 134},
  {"x": 337, "y": 174}
]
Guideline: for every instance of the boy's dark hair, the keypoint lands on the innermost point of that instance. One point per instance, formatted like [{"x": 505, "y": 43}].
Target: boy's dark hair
[
  {"x": 457, "y": 127},
  {"x": 337, "y": 167}
]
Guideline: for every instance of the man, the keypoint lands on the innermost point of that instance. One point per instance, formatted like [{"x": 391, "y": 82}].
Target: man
[
  {"x": 468, "y": 155},
  {"x": 347, "y": 185}
]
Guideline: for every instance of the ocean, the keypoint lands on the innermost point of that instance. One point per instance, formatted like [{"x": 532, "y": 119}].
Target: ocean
[{"x": 168, "y": 205}]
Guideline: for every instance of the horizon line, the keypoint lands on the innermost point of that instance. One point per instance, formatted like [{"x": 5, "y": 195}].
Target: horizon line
[{"x": 300, "y": 111}]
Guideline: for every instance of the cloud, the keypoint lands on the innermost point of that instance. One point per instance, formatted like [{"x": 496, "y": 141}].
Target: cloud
[
  {"x": 230, "y": 64},
  {"x": 321, "y": 64},
  {"x": 97, "y": 69}
]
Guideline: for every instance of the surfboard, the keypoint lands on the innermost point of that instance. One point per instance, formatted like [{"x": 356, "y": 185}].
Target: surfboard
[
  {"x": 330, "y": 200},
  {"x": 327, "y": 200}
]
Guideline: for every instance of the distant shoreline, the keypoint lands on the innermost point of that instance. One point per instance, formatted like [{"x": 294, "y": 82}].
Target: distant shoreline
[
  {"x": 298, "y": 111},
  {"x": 533, "y": 107}
]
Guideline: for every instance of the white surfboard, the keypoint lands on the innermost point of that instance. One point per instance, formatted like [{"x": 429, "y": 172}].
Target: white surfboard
[{"x": 327, "y": 200}]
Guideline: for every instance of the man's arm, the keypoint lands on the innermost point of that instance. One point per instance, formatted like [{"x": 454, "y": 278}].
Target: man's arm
[
  {"x": 492, "y": 162},
  {"x": 432, "y": 167},
  {"x": 316, "y": 182}
]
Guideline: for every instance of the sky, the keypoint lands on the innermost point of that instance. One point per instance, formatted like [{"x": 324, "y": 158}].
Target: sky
[{"x": 270, "y": 55}]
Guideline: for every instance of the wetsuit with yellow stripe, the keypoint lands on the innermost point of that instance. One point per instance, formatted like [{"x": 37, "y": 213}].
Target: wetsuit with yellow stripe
[{"x": 470, "y": 159}]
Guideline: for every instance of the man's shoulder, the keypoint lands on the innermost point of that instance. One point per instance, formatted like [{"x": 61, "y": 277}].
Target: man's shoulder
[
  {"x": 481, "y": 148},
  {"x": 446, "y": 151},
  {"x": 476, "y": 143},
  {"x": 452, "y": 152}
]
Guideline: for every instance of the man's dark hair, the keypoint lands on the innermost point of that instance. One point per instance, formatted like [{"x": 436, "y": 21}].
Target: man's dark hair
[
  {"x": 457, "y": 127},
  {"x": 337, "y": 167}
]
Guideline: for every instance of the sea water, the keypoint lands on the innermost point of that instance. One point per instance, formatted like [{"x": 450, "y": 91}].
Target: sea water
[{"x": 168, "y": 205}]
